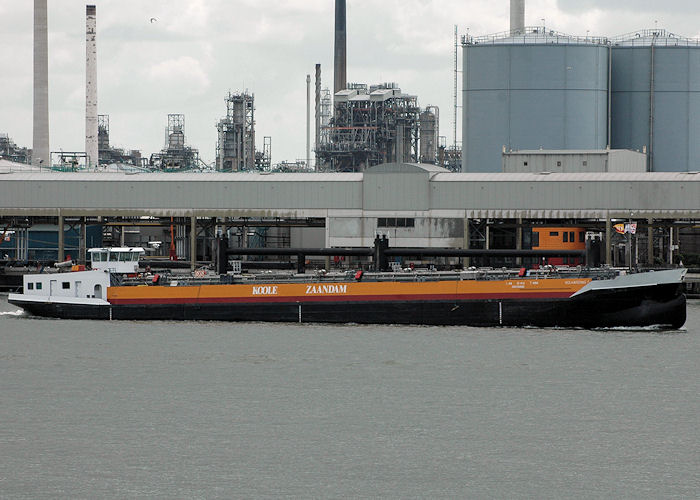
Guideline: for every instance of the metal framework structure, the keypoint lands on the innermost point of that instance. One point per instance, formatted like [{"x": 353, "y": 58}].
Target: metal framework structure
[
  {"x": 175, "y": 156},
  {"x": 108, "y": 154},
  {"x": 263, "y": 159},
  {"x": 10, "y": 151},
  {"x": 235, "y": 148},
  {"x": 102, "y": 134},
  {"x": 370, "y": 126},
  {"x": 326, "y": 114}
]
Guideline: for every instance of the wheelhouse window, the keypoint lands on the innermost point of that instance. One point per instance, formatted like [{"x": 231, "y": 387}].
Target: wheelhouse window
[
  {"x": 38, "y": 285},
  {"x": 99, "y": 256},
  {"x": 66, "y": 285},
  {"x": 30, "y": 286}
]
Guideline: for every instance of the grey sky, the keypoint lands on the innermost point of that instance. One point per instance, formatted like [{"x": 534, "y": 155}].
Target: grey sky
[{"x": 198, "y": 50}]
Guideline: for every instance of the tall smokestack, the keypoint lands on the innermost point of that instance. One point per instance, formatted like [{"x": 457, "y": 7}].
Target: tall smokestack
[
  {"x": 91, "y": 86},
  {"x": 40, "y": 144},
  {"x": 308, "y": 121},
  {"x": 340, "y": 59},
  {"x": 517, "y": 16},
  {"x": 317, "y": 124}
]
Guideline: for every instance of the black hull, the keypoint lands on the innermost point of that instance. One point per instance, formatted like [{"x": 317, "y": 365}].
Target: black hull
[{"x": 663, "y": 305}]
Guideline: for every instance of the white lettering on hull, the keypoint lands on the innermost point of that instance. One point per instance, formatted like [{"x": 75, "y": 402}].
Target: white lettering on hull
[
  {"x": 265, "y": 290},
  {"x": 325, "y": 289}
]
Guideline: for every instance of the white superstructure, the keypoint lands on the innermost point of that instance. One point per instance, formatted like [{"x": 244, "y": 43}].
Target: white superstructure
[
  {"x": 119, "y": 260},
  {"x": 62, "y": 287},
  {"x": 81, "y": 287}
]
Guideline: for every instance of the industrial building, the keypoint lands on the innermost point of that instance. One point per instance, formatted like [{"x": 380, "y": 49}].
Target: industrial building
[
  {"x": 109, "y": 155},
  {"x": 176, "y": 155},
  {"x": 10, "y": 151},
  {"x": 235, "y": 147},
  {"x": 572, "y": 161},
  {"x": 370, "y": 125},
  {"x": 415, "y": 205}
]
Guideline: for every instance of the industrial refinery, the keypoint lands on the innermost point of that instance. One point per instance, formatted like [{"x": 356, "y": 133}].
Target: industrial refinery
[{"x": 561, "y": 134}]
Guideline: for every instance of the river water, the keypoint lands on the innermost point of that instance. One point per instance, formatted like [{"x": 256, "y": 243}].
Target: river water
[{"x": 94, "y": 409}]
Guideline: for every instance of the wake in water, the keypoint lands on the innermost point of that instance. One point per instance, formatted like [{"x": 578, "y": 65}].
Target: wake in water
[{"x": 18, "y": 312}]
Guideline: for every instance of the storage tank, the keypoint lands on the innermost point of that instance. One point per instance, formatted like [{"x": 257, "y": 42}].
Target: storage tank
[
  {"x": 656, "y": 98},
  {"x": 541, "y": 89}
]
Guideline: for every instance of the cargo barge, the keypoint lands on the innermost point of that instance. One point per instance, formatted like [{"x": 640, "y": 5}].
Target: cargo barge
[{"x": 577, "y": 297}]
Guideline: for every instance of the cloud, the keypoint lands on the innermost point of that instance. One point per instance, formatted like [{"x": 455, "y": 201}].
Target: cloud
[
  {"x": 685, "y": 6},
  {"x": 184, "y": 72}
]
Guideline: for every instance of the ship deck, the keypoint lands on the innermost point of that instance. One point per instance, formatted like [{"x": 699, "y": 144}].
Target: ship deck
[{"x": 475, "y": 274}]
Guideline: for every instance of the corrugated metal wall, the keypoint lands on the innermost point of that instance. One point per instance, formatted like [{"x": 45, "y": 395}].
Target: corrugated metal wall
[{"x": 389, "y": 191}]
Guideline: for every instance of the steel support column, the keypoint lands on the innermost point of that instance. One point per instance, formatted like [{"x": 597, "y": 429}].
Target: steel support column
[
  {"x": 519, "y": 240},
  {"x": 650, "y": 242},
  {"x": 61, "y": 239},
  {"x": 193, "y": 242},
  {"x": 467, "y": 240},
  {"x": 608, "y": 242},
  {"x": 82, "y": 244}
]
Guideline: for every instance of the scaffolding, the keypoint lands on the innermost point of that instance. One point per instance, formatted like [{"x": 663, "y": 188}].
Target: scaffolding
[
  {"x": 326, "y": 115},
  {"x": 235, "y": 147},
  {"x": 453, "y": 158},
  {"x": 102, "y": 134},
  {"x": 175, "y": 156},
  {"x": 263, "y": 159},
  {"x": 371, "y": 125}
]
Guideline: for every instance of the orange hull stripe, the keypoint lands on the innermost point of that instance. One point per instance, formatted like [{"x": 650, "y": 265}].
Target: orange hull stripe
[{"x": 352, "y": 291}]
